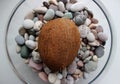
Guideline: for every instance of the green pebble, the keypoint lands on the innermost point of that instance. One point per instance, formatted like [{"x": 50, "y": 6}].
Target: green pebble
[
  {"x": 68, "y": 15},
  {"x": 24, "y": 52}
]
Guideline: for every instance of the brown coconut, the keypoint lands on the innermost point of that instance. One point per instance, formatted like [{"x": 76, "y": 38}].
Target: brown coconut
[{"x": 58, "y": 44}]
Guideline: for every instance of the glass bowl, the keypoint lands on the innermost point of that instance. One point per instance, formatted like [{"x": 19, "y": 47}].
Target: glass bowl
[{"x": 24, "y": 73}]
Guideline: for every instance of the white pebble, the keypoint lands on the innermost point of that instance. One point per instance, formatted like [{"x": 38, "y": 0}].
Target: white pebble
[
  {"x": 102, "y": 36},
  {"x": 91, "y": 37},
  {"x": 40, "y": 9},
  {"x": 26, "y": 37},
  {"x": 95, "y": 58},
  {"x": 28, "y": 24},
  {"x": 38, "y": 25},
  {"x": 61, "y": 6},
  {"x": 58, "y": 81},
  {"x": 52, "y": 77},
  {"x": 30, "y": 44},
  {"x": 60, "y": 76},
  {"x": 87, "y": 22}
]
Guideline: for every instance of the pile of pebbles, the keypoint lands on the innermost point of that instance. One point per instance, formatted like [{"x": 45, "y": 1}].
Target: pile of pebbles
[{"x": 92, "y": 38}]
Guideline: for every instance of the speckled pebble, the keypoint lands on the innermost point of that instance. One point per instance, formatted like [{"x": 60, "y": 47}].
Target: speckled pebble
[
  {"x": 37, "y": 25},
  {"x": 28, "y": 24},
  {"x": 72, "y": 67},
  {"x": 49, "y": 14},
  {"x": 84, "y": 30},
  {"x": 59, "y": 13},
  {"x": 90, "y": 66},
  {"x": 90, "y": 37},
  {"x": 99, "y": 51},
  {"x": 61, "y": 6},
  {"x": 20, "y": 40},
  {"x": 30, "y": 44},
  {"x": 43, "y": 76},
  {"x": 36, "y": 57},
  {"x": 102, "y": 36}
]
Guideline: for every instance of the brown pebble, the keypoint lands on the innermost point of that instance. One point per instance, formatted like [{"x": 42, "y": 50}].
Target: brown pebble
[
  {"x": 43, "y": 76},
  {"x": 22, "y": 31},
  {"x": 75, "y": 76},
  {"x": 95, "y": 33},
  {"x": 80, "y": 63},
  {"x": 40, "y": 17},
  {"x": 92, "y": 26},
  {"x": 93, "y": 20}
]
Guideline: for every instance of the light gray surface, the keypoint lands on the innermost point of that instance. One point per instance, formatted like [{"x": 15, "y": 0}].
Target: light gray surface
[{"x": 109, "y": 76}]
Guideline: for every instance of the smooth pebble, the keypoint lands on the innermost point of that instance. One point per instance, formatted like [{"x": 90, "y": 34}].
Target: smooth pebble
[
  {"x": 37, "y": 25},
  {"x": 80, "y": 63},
  {"x": 53, "y": 2},
  {"x": 54, "y": 7},
  {"x": 87, "y": 59},
  {"x": 64, "y": 72},
  {"x": 94, "y": 43},
  {"x": 73, "y": 1},
  {"x": 20, "y": 40},
  {"x": 18, "y": 48},
  {"x": 68, "y": 15},
  {"x": 40, "y": 9},
  {"x": 49, "y": 14},
  {"x": 70, "y": 79},
  {"x": 47, "y": 70},
  {"x": 90, "y": 37},
  {"x": 102, "y": 36},
  {"x": 68, "y": 5},
  {"x": 22, "y": 31},
  {"x": 52, "y": 77},
  {"x": 24, "y": 52},
  {"x": 28, "y": 24},
  {"x": 60, "y": 76},
  {"x": 26, "y": 36},
  {"x": 58, "y": 81},
  {"x": 59, "y": 13},
  {"x": 99, "y": 28},
  {"x": 31, "y": 37},
  {"x": 61, "y": 6},
  {"x": 99, "y": 51},
  {"x": 64, "y": 81},
  {"x": 87, "y": 22},
  {"x": 95, "y": 58},
  {"x": 30, "y": 15},
  {"x": 30, "y": 44},
  {"x": 35, "y": 19},
  {"x": 72, "y": 67},
  {"x": 43, "y": 76}
]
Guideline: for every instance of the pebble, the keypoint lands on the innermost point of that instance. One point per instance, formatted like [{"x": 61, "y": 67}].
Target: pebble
[
  {"x": 49, "y": 14},
  {"x": 27, "y": 61},
  {"x": 30, "y": 15},
  {"x": 86, "y": 54},
  {"x": 46, "y": 4},
  {"x": 22, "y": 31},
  {"x": 77, "y": 7},
  {"x": 60, "y": 76},
  {"x": 59, "y": 13},
  {"x": 95, "y": 21},
  {"x": 47, "y": 70},
  {"x": 99, "y": 28},
  {"x": 30, "y": 44},
  {"x": 99, "y": 51},
  {"x": 68, "y": 15},
  {"x": 58, "y": 81},
  {"x": 80, "y": 63},
  {"x": 79, "y": 19},
  {"x": 40, "y": 9},
  {"x": 40, "y": 17},
  {"x": 76, "y": 13},
  {"x": 90, "y": 66},
  {"x": 53, "y": 2},
  {"x": 36, "y": 57},
  {"x": 90, "y": 14},
  {"x": 28, "y": 24},
  {"x": 18, "y": 48},
  {"x": 95, "y": 33},
  {"x": 61, "y": 6},
  {"x": 92, "y": 26},
  {"x": 54, "y": 7},
  {"x": 90, "y": 37},
  {"x": 26, "y": 37},
  {"x": 38, "y": 25},
  {"x": 43, "y": 76},
  {"x": 64, "y": 81},
  {"x": 84, "y": 49},
  {"x": 24, "y": 52},
  {"x": 35, "y": 66},
  {"x": 102, "y": 36},
  {"x": 91, "y": 53},
  {"x": 31, "y": 31},
  {"x": 70, "y": 79},
  {"x": 64, "y": 1},
  {"x": 72, "y": 67},
  {"x": 64, "y": 72},
  {"x": 68, "y": 6},
  {"x": 20, "y": 40},
  {"x": 95, "y": 58},
  {"x": 94, "y": 43},
  {"x": 73, "y": 1},
  {"x": 84, "y": 30},
  {"x": 87, "y": 59},
  {"x": 87, "y": 22},
  {"x": 31, "y": 37},
  {"x": 35, "y": 19},
  {"x": 52, "y": 77},
  {"x": 77, "y": 72}
]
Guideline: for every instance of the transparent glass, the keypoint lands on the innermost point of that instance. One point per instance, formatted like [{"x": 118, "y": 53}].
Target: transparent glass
[{"x": 23, "y": 71}]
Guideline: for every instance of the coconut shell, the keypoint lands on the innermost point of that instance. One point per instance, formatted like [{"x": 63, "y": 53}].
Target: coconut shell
[{"x": 58, "y": 44}]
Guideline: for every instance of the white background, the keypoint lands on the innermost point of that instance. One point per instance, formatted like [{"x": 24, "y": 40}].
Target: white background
[{"x": 109, "y": 76}]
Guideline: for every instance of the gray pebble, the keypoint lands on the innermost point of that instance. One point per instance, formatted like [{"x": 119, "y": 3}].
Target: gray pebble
[
  {"x": 30, "y": 44},
  {"x": 90, "y": 66},
  {"x": 87, "y": 59},
  {"x": 68, "y": 5},
  {"x": 22, "y": 31},
  {"x": 76, "y": 13},
  {"x": 30, "y": 15},
  {"x": 54, "y": 7},
  {"x": 102, "y": 36},
  {"x": 84, "y": 49},
  {"x": 20, "y": 40},
  {"x": 31, "y": 37},
  {"x": 28, "y": 24},
  {"x": 70, "y": 80},
  {"x": 86, "y": 54},
  {"x": 61, "y": 6},
  {"x": 59, "y": 13},
  {"x": 49, "y": 14},
  {"x": 72, "y": 67},
  {"x": 91, "y": 37},
  {"x": 84, "y": 30},
  {"x": 35, "y": 19},
  {"x": 79, "y": 19},
  {"x": 24, "y": 52},
  {"x": 68, "y": 15},
  {"x": 99, "y": 28},
  {"x": 36, "y": 57},
  {"x": 99, "y": 51},
  {"x": 77, "y": 7}
]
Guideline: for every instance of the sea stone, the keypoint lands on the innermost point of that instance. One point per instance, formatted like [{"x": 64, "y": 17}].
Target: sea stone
[
  {"x": 58, "y": 43},
  {"x": 49, "y": 14}
]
